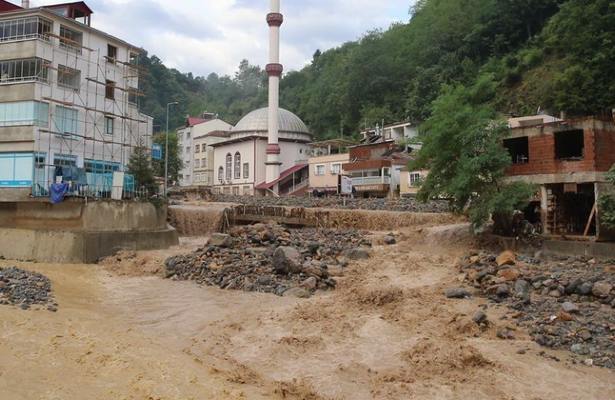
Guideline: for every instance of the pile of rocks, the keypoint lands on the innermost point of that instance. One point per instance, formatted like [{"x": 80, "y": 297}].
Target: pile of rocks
[
  {"x": 406, "y": 204},
  {"x": 566, "y": 303},
  {"x": 272, "y": 259},
  {"x": 25, "y": 289}
]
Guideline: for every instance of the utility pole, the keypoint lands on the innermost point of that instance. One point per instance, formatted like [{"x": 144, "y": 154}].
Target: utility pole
[{"x": 166, "y": 151}]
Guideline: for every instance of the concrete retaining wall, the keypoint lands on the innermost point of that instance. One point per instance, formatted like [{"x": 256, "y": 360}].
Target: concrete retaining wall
[{"x": 78, "y": 232}]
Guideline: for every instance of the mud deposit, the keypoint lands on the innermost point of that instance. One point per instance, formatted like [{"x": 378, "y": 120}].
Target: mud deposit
[{"x": 386, "y": 332}]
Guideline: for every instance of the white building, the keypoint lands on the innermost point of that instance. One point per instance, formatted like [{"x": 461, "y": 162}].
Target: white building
[
  {"x": 68, "y": 97},
  {"x": 398, "y": 131},
  {"x": 241, "y": 161},
  {"x": 195, "y": 141}
]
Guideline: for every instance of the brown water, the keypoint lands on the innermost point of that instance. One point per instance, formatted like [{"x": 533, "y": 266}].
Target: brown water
[{"x": 192, "y": 220}]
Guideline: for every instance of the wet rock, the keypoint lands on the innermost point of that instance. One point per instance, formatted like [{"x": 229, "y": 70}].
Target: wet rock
[
  {"x": 585, "y": 288},
  {"x": 286, "y": 260},
  {"x": 502, "y": 291},
  {"x": 509, "y": 274},
  {"x": 389, "y": 240},
  {"x": 505, "y": 334},
  {"x": 479, "y": 317},
  {"x": 298, "y": 292},
  {"x": 522, "y": 289},
  {"x": 570, "y": 307},
  {"x": 506, "y": 258},
  {"x": 220, "y": 240},
  {"x": 310, "y": 283},
  {"x": 602, "y": 289},
  {"x": 457, "y": 293},
  {"x": 24, "y": 289},
  {"x": 356, "y": 254}
]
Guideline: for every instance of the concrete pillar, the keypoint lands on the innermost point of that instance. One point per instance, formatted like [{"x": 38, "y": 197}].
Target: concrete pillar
[
  {"x": 544, "y": 209},
  {"x": 274, "y": 70}
]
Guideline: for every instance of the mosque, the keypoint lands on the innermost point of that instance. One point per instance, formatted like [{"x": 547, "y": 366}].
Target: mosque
[{"x": 266, "y": 153}]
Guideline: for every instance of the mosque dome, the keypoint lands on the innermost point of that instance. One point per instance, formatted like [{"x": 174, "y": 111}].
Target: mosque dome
[{"x": 257, "y": 121}]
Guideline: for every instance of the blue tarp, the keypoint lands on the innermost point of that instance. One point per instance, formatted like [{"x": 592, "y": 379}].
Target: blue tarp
[{"x": 57, "y": 192}]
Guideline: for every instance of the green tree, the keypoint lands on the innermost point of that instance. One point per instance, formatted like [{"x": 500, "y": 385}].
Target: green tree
[
  {"x": 175, "y": 162},
  {"x": 606, "y": 202},
  {"x": 140, "y": 167},
  {"x": 464, "y": 153}
]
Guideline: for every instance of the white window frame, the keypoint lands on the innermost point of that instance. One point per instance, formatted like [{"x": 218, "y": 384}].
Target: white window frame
[
  {"x": 319, "y": 173},
  {"x": 339, "y": 168}
]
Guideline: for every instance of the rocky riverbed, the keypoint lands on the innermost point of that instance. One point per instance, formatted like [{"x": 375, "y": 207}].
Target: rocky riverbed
[
  {"x": 408, "y": 204},
  {"x": 272, "y": 259},
  {"x": 565, "y": 303},
  {"x": 25, "y": 289}
]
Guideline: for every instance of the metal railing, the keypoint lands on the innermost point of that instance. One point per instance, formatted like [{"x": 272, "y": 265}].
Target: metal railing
[{"x": 371, "y": 180}]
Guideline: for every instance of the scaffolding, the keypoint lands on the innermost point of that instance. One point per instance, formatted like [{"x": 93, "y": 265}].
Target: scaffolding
[{"x": 106, "y": 125}]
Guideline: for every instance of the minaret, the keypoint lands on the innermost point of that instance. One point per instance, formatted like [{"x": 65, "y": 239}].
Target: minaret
[{"x": 274, "y": 70}]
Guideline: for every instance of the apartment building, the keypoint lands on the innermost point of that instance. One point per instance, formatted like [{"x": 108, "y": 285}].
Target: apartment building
[
  {"x": 68, "y": 97},
  {"x": 327, "y": 158},
  {"x": 195, "y": 141}
]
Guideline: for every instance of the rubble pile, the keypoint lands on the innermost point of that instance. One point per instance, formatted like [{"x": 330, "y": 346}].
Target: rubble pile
[
  {"x": 405, "y": 204},
  {"x": 565, "y": 303},
  {"x": 272, "y": 259},
  {"x": 25, "y": 289}
]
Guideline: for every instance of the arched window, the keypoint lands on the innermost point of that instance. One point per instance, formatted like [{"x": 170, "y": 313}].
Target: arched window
[
  {"x": 229, "y": 166},
  {"x": 237, "y": 166},
  {"x": 221, "y": 174}
]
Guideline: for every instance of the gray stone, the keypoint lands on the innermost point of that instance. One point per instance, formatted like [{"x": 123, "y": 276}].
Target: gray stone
[
  {"x": 356, "y": 254},
  {"x": 220, "y": 240},
  {"x": 570, "y": 307},
  {"x": 479, "y": 317},
  {"x": 286, "y": 260},
  {"x": 522, "y": 289},
  {"x": 298, "y": 292},
  {"x": 310, "y": 283},
  {"x": 502, "y": 291},
  {"x": 390, "y": 240},
  {"x": 602, "y": 289},
  {"x": 579, "y": 348},
  {"x": 585, "y": 288},
  {"x": 456, "y": 293}
]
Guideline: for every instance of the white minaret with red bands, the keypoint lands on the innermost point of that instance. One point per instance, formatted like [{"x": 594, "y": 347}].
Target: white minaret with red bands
[{"x": 274, "y": 70}]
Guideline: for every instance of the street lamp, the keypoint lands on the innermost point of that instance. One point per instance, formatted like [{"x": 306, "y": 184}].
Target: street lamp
[{"x": 166, "y": 151}]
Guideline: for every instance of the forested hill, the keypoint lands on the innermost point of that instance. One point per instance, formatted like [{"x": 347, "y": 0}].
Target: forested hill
[{"x": 553, "y": 55}]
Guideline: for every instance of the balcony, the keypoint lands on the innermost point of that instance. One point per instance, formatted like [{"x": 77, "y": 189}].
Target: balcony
[{"x": 371, "y": 180}]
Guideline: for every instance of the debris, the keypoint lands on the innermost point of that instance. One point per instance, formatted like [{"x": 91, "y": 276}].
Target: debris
[
  {"x": 389, "y": 240},
  {"x": 457, "y": 293},
  {"x": 25, "y": 289},
  {"x": 506, "y": 258},
  {"x": 220, "y": 240},
  {"x": 479, "y": 317}
]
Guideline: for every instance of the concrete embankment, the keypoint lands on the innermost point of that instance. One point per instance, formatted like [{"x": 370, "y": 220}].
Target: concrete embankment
[{"x": 202, "y": 219}]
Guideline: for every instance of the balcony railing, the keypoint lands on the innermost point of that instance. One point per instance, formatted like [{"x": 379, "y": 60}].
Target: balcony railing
[{"x": 371, "y": 180}]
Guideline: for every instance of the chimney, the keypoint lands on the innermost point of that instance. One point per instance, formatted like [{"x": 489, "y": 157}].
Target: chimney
[
  {"x": 274, "y": 70},
  {"x": 25, "y": 3}
]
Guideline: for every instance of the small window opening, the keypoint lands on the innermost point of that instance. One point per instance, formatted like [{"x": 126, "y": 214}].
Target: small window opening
[
  {"x": 569, "y": 145},
  {"x": 518, "y": 149}
]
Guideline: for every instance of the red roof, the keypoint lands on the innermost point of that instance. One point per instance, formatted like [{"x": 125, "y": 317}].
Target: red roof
[
  {"x": 192, "y": 121},
  {"x": 283, "y": 175},
  {"x": 6, "y": 6}
]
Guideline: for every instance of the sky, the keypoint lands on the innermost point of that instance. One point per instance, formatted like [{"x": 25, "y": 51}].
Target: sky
[{"x": 204, "y": 36}]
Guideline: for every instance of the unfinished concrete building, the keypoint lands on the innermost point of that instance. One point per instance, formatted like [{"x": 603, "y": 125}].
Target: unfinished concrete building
[{"x": 568, "y": 160}]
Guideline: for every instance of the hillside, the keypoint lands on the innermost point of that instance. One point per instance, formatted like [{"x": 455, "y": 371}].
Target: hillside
[{"x": 553, "y": 55}]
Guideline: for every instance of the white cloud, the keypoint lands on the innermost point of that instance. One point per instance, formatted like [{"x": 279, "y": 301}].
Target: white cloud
[{"x": 214, "y": 36}]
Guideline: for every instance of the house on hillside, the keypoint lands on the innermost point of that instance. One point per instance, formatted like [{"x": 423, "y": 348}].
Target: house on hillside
[
  {"x": 326, "y": 161},
  {"x": 568, "y": 160}
]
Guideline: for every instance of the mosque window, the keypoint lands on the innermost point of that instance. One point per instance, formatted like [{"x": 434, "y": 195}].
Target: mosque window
[
  {"x": 237, "y": 166},
  {"x": 220, "y": 174},
  {"x": 229, "y": 166}
]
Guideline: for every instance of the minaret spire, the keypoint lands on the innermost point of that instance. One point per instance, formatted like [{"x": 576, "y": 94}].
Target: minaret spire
[{"x": 274, "y": 70}]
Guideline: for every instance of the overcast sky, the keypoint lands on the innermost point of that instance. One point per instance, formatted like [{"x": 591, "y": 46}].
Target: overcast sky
[{"x": 203, "y": 36}]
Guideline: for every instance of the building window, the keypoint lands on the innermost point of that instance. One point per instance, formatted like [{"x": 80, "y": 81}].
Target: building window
[
  {"x": 29, "y": 69},
  {"x": 111, "y": 53},
  {"x": 16, "y": 169},
  {"x": 519, "y": 149},
  {"x": 66, "y": 120},
  {"x": 64, "y": 160},
  {"x": 70, "y": 39},
  {"x": 110, "y": 90},
  {"x": 246, "y": 170},
  {"x": 24, "y": 113},
  {"x": 220, "y": 174},
  {"x": 187, "y": 149},
  {"x": 237, "y": 166},
  {"x": 69, "y": 78},
  {"x": 247, "y": 190},
  {"x": 236, "y": 191},
  {"x": 133, "y": 95},
  {"x": 415, "y": 179},
  {"x": 320, "y": 170},
  {"x": 570, "y": 145},
  {"x": 109, "y": 122},
  {"x": 25, "y": 28},
  {"x": 197, "y": 148},
  {"x": 229, "y": 167},
  {"x": 336, "y": 169},
  {"x": 133, "y": 59}
]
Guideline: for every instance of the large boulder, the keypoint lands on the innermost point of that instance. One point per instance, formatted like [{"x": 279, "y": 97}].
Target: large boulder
[
  {"x": 220, "y": 240},
  {"x": 287, "y": 260},
  {"x": 602, "y": 289}
]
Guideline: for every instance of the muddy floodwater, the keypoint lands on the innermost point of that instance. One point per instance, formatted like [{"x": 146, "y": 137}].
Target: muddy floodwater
[{"x": 386, "y": 332}]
